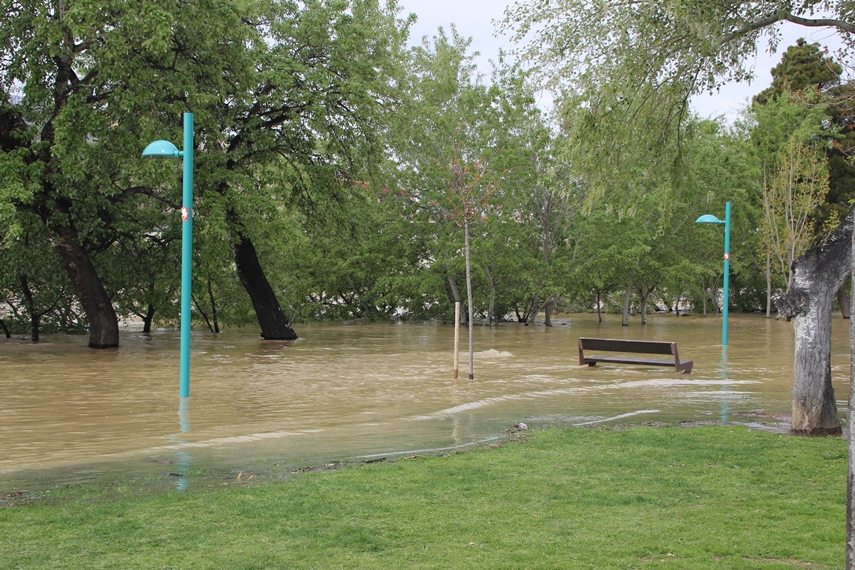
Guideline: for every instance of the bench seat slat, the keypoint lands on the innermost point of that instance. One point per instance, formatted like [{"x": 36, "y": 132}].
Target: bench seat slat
[{"x": 632, "y": 360}]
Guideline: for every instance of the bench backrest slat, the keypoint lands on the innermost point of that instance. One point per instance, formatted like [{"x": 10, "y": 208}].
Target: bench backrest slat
[{"x": 620, "y": 345}]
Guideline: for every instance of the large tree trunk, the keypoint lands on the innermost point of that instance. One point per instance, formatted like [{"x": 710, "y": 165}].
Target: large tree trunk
[
  {"x": 549, "y": 309},
  {"x": 274, "y": 324},
  {"x": 103, "y": 323},
  {"x": 148, "y": 318},
  {"x": 850, "y": 470},
  {"x": 843, "y": 301},
  {"x": 817, "y": 276},
  {"x": 469, "y": 295},
  {"x": 271, "y": 318}
]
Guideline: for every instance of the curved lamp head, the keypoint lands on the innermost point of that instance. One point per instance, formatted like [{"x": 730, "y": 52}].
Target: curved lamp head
[
  {"x": 162, "y": 149},
  {"x": 708, "y": 219}
]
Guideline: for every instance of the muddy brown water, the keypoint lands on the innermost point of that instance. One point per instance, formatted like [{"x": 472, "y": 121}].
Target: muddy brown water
[{"x": 363, "y": 390}]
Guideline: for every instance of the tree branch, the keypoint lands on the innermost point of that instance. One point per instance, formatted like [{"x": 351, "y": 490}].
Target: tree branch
[
  {"x": 809, "y": 22},
  {"x": 134, "y": 190}
]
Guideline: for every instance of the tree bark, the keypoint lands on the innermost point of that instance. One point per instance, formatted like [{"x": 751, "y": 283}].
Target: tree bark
[
  {"x": 455, "y": 292},
  {"x": 548, "y": 309},
  {"x": 148, "y": 318},
  {"x": 31, "y": 306},
  {"x": 535, "y": 306},
  {"x": 271, "y": 318},
  {"x": 469, "y": 295},
  {"x": 103, "y": 323},
  {"x": 850, "y": 470},
  {"x": 5, "y": 329},
  {"x": 599, "y": 310},
  {"x": 768, "y": 286},
  {"x": 843, "y": 301},
  {"x": 213, "y": 305},
  {"x": 817, "y": 276},
  {"x": 625, "y": 317},
  {"x": 491, "y": 308}
]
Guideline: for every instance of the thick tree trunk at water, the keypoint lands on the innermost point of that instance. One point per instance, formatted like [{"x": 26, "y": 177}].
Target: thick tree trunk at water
[
  {"x": 549, "y": 309},
  {"x": 148, "y": 318},
  {"x": 274, "y": 324},
  {"x": 817, "y": 276},
  {"x": 843, "y": 302},
  {"x": 103, "y": 323},
  {"x": 850, "y": 470}
]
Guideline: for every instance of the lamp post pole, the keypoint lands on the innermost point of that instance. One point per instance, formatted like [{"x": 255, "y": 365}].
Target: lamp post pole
[
  {"x": 187, "y": 254},
  {"x": 726, "y": 291},
  {"x": 165, "y": 149},
  {"x": 710, "y": 219}
]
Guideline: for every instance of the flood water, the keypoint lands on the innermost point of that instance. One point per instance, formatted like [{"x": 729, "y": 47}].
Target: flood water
[{"x": 361, "y": 390}]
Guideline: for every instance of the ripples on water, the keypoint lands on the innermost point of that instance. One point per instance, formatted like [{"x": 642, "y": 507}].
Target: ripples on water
[{"x": 349, "y": 390}]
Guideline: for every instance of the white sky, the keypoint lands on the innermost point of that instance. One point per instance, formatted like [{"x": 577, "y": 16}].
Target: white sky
[{"x": 474, "y": 18}]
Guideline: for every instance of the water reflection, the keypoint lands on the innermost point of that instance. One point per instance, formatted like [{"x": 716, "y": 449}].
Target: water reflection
[
  {"x": 358, "y": 389},
  {"x": 724, "y": 417},
  {"x": 183, "y": 456}
]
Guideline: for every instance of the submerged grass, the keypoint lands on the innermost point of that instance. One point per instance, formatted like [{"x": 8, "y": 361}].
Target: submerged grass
[{"x": 672, "y": 497}]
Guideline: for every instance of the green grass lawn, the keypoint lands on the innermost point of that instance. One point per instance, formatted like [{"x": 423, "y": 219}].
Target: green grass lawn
[{"x": 671, "y": 497}]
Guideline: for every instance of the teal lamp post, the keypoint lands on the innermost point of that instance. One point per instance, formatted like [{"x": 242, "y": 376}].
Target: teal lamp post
[
  {"x": 710, "y": 219},
  {"x": 165, "y": 149}
]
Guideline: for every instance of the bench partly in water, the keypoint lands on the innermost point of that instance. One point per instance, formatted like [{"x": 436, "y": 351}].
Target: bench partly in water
[{"x": 635, "y": 347}]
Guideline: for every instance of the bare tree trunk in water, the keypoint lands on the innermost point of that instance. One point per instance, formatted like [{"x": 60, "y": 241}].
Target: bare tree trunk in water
[
  {"x": 274, "y": 324},
  {"x": 850, "y": 471},
  {"x": 843, "y": 301},
  {"x": 203, "y": 313},
  {"x": 817, "y": 275},
  {"x": 768, "y": 286},
  {"x": 643, "y": 309},
  {"x": 103, "y": 323},
  {"x": 550, "y": 307},
  {"x": 468, "y": 294},
  {"x": 213, "y": 305},
  {"x": 31, "y": 306},
  {"x": 149, "y": 316},
  {"x": 625, "y": 318},
  {"x": 492, "y": 283},
  {"x": 5, "y": 329},
  {"x": 599, "y": 311},
  {"x": 532, "y": 314}
]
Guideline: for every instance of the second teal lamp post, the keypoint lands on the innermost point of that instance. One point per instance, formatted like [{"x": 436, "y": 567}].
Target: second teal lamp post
[
  {"x": 165, "y": 149},
  {"x": 710, "y": 219}
]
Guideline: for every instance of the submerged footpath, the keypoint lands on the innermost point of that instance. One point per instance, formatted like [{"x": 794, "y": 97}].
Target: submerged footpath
[{"x": 619, "y": 497}]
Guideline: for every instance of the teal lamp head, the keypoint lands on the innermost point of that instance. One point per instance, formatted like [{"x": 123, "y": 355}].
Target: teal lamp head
[
  {"x": 162, "y": 149},
  {"x": 708, "y": 219}
]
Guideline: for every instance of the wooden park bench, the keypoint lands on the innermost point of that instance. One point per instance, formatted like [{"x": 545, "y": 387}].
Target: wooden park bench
[{"x": 632, "y": 346}]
